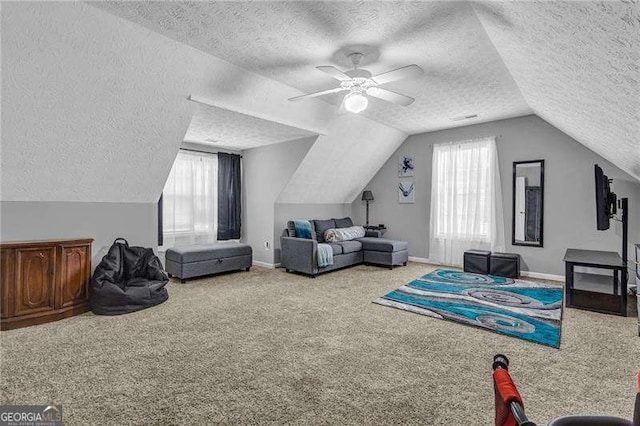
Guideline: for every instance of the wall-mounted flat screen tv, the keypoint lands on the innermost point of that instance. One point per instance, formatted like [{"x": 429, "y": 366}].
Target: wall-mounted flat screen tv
[{"x": 605, "y": 200}]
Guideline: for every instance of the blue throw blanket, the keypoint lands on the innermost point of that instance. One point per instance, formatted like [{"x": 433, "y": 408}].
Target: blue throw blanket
[
  {"x": 303, "y": 229},
  {"x": 325, "y": 255}
]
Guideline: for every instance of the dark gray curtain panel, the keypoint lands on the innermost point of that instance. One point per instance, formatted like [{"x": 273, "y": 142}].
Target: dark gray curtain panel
[
  {"x": 160, "y": 226},
  {"x": 229, "y": 208}
]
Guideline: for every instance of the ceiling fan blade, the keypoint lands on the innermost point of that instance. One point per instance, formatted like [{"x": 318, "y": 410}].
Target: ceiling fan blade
[
  {"x": 409, "y": 71},
  {"x": 389, "y": 96},
  {"x": 313, "y": 95},
  {"x": 334, "y": 72}
]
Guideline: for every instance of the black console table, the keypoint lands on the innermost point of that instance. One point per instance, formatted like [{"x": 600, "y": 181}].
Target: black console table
[{"x": 599, "y": 293}]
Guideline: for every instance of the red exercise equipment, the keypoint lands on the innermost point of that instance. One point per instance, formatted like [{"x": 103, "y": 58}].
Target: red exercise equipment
[{"x": 510, "y": 408}]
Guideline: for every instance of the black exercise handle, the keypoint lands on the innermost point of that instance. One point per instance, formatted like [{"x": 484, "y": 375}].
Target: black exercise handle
[
  {"x": 120, "y": 238},
  {"x": 500, "y": 361}
]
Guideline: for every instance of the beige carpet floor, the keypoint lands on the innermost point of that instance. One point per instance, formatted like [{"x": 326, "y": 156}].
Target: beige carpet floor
[{"x": 270, "y": 347}]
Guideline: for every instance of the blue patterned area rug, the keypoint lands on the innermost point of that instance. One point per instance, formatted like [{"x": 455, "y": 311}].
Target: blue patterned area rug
[{"x": 528, "y": 310}]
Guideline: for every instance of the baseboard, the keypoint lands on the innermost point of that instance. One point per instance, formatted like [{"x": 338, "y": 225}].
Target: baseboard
[
  {"x": 266, "y": 265},
  {"x": 538, "y": 275},
  {"x": 420, "y": 260},
  {"x": 542, "y": 276}
]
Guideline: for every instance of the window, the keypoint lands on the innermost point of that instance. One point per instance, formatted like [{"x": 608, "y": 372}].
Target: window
[
  {"x": 189, "y": 200},
  {"x": 466, "y": 200}
]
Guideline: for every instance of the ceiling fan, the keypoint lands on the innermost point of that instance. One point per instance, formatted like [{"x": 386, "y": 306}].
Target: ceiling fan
[{"x": 360, "y": 83}]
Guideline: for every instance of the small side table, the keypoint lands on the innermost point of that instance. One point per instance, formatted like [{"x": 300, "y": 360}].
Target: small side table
[
  {"x": 376, "y": 228},
  {"x": 597, "y": 293}
]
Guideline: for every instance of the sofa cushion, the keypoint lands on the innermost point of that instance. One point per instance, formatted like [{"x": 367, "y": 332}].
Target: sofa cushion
[
  {"x": 383, "y": 244},
  {"x": 200, "y": 253},
  {"x": 350, "y": 246},
  {"x": 344, "y": 222},
  {"x": 337, "y": 248},
  {"x": 321, "y": 226}
]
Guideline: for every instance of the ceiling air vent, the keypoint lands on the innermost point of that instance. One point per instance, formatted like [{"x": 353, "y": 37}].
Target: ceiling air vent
[{"x": 464, "y": 117}]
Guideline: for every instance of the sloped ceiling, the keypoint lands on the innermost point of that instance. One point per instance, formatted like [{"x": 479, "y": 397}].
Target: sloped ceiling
[
  {"x": 94, "y": 108},
  {"x": 574, "y": 63},
  {"x": 220, "y": 127},
  {"x": 578, "y": 67},
  {"x": 88, "y": 98},
  {"x": 342, "y": 162}
]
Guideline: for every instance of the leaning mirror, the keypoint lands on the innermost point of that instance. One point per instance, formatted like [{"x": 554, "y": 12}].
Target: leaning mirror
[{"x": 528, "y": 201}]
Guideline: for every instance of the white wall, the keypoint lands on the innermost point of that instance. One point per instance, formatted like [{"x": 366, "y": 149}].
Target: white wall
[{"x": 569, "y": 204}]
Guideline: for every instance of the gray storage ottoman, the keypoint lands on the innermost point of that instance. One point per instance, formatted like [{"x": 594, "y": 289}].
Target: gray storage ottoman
[
  {"x": 381, "y": 251},
  {"x": 476, "y": 261},
  {"x": 198, "y": 260},
  {"x": 505, "y": 265}
]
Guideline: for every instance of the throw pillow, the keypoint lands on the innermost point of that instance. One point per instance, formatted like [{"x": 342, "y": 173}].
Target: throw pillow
[
  {"x": 344, "y": 234},
  {"x": 303, "y": 229},
  {"x": 321, "y": 227},
  {"x": 344, "y": 223}
]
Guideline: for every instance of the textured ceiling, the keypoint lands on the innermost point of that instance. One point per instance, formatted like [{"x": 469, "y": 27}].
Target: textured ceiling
[
  {"x": 285, "y": 41},
  {"x": 578, "y": 67},
  {"x": 342, "y": 162},
  {"x": 89, "y": 98},
  {"x": 80, "y": 122},
  {"x": 94, "y": 107},
  {"x": 232, "y": 130}
]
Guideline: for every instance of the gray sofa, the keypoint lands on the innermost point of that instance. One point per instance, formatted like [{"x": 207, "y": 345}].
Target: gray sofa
[{"x": 300, "y": 254}]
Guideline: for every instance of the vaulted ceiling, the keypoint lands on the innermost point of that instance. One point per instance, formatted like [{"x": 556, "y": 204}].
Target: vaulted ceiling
[
  {"x": 575, "y": 64},
  {"x": 92, "y": 91},
  {"x": 94, "y": 107},
  {"x": 285, "y": 41}
]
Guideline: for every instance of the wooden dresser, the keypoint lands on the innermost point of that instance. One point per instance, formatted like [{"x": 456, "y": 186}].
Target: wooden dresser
[{"x": 43, "y": 281}]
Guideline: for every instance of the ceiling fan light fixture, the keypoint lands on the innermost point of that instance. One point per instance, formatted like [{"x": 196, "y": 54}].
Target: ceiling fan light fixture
[{"x": 356, "y": 102}]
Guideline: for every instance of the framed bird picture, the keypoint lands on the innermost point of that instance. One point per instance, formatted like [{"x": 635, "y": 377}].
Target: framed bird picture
[
  {"x": 405, "y": 166},
  {"x": 406, "y": 192}
]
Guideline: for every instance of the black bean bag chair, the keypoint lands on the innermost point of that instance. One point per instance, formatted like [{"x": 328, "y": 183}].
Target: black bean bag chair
[{"x": 127, "y": 279}]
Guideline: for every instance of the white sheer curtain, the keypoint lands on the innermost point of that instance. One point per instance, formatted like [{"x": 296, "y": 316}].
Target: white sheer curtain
[
  {"x": 190, "y": 200},
  {"x": 466, "y": 200}
]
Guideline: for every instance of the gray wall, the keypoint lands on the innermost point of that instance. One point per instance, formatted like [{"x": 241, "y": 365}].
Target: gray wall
[
  {"x": 266, "y": 171},
  {"x": 285, "y": 212},
  {"x": 104, "y": 222},
  {"x": 569, "y": 205}
]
